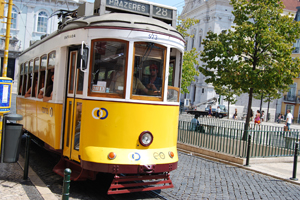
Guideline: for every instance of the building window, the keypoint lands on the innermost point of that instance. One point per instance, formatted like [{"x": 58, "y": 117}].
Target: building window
[
  {"x": 202, "y": 90},
  {"x": 42, "y": 22},
  {"x": 186, "y": 45},
  {"x": 200, "y": 40},
  {"x": 193, "y": 41},
  {"x": 14, "y": 15}
]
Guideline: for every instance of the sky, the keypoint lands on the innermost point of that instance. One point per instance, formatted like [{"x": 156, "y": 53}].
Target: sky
[{"x": 175, "y": 3}]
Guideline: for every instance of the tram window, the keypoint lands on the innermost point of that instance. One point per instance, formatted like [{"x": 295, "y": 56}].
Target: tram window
[
  {"x": 51, "y": 60},
  {"x": 21, "y": 80},
  {"x": 49, "y": 85},
  {"x": 174, "y": 76},
  {"x": 50, "y": 76},
  {"x": 80, "y": 82},
  {"x": 43, "y": 65},
  {"x": 35, "y": 77},
  {"x": 72, "y": 69},
  {"x": 108, "y": 68},
  {"x": 77, "y": 125},
  {"x": 27, "y": 79},
  {"x": 148, "y": 70},
  {"x": 30, "y": 78}
]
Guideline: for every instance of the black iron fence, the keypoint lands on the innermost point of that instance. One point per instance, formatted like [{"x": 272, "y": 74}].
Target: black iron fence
[{"x": 229, "y": 137}]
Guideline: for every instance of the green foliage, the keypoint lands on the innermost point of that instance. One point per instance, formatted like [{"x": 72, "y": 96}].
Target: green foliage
[
  {"x": 188, "y": 69},
  {"x": 268, "y": 96},
  {"x": 189, "y": 57},
  {"x": 227, "y": 92},
  {"x": 256, "y": 55},
  {"x": 184, "y": 25}
]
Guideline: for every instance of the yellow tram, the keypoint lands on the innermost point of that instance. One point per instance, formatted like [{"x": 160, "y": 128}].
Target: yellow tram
[{"x": 104, "y": 92}]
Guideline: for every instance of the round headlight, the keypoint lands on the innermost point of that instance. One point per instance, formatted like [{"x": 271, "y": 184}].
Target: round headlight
[{"x": 146, "y": 138}]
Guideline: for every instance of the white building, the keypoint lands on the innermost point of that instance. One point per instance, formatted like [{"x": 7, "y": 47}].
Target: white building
[
  {"x": 31, "y": 20},
  {"x": 215, "y": 15}
]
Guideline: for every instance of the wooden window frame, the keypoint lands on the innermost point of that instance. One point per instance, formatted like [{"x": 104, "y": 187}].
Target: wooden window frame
[
  {"x": 77, "y": 81},
  {"x": 144, "y": 97},
  {"x": 21, "y": 79},
  {"x": 109, "y": 95},
  {"x": 70, "y": 68},
  {"x": 40, "y": 71}
]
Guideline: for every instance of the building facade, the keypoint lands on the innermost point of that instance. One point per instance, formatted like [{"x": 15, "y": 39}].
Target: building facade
[
  {"x": 31, "y": 19},
  {"x": 215, "y": 15}
]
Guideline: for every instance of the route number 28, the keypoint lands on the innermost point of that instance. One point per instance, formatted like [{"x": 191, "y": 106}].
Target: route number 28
[
  {"x": 161, "y": 11},
  {"x": 152, "y": 36}
]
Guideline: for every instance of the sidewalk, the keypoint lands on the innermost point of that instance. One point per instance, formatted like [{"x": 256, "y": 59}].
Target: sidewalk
[
  {"x": 282, "y": 170},
  {"x": 12, "y": 185}
]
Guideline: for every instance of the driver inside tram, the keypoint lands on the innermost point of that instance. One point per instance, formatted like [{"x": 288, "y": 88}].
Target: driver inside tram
[{"x": 117, "y": 83}]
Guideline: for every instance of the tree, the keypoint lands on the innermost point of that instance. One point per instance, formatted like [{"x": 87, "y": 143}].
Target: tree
[
  {"x": 256, "y": 53},
  {"x": 228, "y": 93},
  {"x": 267, "y": 96},
  {"x": 189, "y": 57}
]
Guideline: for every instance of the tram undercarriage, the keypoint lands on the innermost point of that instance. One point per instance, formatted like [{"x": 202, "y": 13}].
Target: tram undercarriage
[{"x": 121, "y": 183}]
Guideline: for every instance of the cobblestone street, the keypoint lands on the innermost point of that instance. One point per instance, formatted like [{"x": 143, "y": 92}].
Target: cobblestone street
[{"x": 198, "y": 178}]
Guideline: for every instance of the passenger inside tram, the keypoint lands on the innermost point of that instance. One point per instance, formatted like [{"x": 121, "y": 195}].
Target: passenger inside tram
[
  {"x": 42, "y": 88},
  {"x": 28, "y": 93},
  {"x": 117, "y": 82},
  {"x": 154, "y": 83},
  {"x": 49, "y": 90}
]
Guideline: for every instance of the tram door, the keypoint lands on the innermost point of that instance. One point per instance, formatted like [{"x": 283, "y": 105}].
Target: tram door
[{"x": 73, "y": 108}]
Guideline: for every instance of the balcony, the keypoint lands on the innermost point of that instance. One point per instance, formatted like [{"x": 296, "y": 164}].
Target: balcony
[{"x": 291, "y": 99}]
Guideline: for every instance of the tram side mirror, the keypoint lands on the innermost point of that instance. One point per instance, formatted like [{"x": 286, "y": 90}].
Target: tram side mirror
[{"x": 83, "y": 58}]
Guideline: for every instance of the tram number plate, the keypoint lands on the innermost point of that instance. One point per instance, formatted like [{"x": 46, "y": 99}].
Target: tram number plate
[{"x": 152, "y": 36}]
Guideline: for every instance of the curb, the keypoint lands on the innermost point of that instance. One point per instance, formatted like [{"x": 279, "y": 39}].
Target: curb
[{"x": 37, "y": 182}]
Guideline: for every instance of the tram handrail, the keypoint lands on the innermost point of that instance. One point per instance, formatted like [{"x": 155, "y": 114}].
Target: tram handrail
[{"x": 81, "y": 54}]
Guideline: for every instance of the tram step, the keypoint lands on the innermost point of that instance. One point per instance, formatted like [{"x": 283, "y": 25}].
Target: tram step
[
  {"x": 135, "y": 183},
  {"x": 78, "y": 174}
]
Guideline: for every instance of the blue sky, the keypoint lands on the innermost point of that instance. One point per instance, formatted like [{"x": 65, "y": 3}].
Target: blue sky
[{"x": 175, "y": 3}]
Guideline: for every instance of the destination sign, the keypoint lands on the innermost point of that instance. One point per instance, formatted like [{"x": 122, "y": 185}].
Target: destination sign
[{"x": 140, "y": 7}]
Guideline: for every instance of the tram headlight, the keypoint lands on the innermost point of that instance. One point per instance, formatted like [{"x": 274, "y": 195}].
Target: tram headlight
[
  {"x": 171, "y": 154},
  {"x": 146, "y": 138},
  {"x": 111, "y": 156}
]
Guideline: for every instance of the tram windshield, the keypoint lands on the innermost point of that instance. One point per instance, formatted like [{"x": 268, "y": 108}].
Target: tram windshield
[
  {"x": 108, "y": 68},
  {"x": 148, "y": 71},
  {"x": 110, "y": 71}
]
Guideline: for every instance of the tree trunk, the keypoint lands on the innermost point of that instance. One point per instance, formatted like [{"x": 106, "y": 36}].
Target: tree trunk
[
  {"x": 245, "y": 135},
  {"x": 228, "y": 109},
  {"x": 268, "y": 110},
  {"x": 261, "y": 100}
]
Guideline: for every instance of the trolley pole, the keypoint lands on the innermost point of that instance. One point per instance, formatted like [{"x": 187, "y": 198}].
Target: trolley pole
[
  {"x": 7, "y": 36},
  {"x": 5, "y": 59},
  {"x": 66, "y": 184}
]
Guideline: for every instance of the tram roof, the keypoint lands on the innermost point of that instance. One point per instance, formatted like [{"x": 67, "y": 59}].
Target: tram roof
[{"x": 121, "y": 20}]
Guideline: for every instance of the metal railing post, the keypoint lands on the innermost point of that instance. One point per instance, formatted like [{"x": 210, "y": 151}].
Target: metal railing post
[
  {"x": 248, "y": 151},
  {"x": 66, "y": 184},
  {"x": 295, "y": 162},
  {"x": 27, "y": 149}
]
